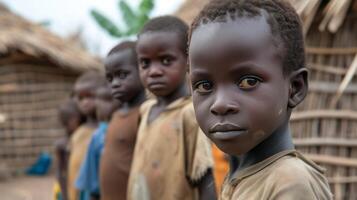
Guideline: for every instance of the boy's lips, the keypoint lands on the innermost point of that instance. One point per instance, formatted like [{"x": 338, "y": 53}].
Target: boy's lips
[
  {"x": 226, "y": 131},
  {"x": 118, "y": 93},
  {"x": 156, "y": 85}
]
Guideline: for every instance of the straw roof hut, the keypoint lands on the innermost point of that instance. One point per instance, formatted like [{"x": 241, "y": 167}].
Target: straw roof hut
[
  {"x": 325, "y": 125},
  {"x": 37, "y": 71}
]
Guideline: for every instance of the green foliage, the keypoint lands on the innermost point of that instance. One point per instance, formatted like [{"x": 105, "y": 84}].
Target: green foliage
[{"x": 134, "y": 19}]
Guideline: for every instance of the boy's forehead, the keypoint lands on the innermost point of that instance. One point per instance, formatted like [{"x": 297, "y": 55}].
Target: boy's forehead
[
  {"x": 239, "y": 37},
  {"x": 241, "y": 31},
  {"x": 120, "y": 57},
  {"x": 158, "y": 40}
]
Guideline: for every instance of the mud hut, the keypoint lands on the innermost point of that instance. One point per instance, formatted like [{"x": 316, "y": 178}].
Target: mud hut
[
  {"x": 324, "y": 127},
  {"x": 37, "y": 71}
]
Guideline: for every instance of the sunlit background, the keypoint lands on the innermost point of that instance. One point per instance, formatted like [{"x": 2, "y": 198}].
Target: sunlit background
[{"x": 69, "y": 17}]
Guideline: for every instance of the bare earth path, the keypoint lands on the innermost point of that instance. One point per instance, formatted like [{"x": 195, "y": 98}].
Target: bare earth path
[{"x": 27, "y": 188}]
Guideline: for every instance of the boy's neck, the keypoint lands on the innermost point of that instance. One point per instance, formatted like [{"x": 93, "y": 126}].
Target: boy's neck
[
  {"x": 91, "y": 121},
  {"x": 277, "y": 142},
  {"x": 137, "y": 100},
  {"x": 181, "y": 91}
]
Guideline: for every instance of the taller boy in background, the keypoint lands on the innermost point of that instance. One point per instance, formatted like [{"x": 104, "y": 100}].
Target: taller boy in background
[
  {"x": 172, "y": 160},
  {"x": 84, "y": 93},
  {"x": 122, "y": 73},
  {"x": 248, "y": 73}
]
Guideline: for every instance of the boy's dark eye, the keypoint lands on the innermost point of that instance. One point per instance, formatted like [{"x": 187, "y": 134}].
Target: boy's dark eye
[
  {"x": 166, "y": 61},
  {"x": 249, "y": 82},
  {"x": 144, "y": 63},
  {"x": 109, "y": 78},
  {"x": 123, "y": 75},
  {"x": 203, "y": 87}
]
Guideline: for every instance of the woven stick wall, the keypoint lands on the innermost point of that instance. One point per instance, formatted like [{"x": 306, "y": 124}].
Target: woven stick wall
[
  {"x": 325, "y": 125},
  {"x": 30, "y": 96}
]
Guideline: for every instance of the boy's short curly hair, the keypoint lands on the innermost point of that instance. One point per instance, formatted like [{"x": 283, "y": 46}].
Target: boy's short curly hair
[
  {"x": 168, "y": 24},
  {"x": 125, "y": 45},
  {"x": 284, "y": 22}
]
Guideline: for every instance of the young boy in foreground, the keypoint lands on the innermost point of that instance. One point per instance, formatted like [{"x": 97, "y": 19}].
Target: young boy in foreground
[
  {"x": 172, "y": 160},
  {"x": 122, "y": 73},
  {"x": 248, "y": 73}
]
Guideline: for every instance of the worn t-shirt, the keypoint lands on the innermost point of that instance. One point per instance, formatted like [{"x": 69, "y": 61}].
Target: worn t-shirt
[
  {"x": 117, "y": 155},
  {"x": 171, "y": 154},
  {"x": 88, "y": 178},
  {"x": 285, "y": 176},
  {"x": 78, "y": 145}
]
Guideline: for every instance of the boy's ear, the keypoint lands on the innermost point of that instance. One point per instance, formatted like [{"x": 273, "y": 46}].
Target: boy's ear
[{"x": 298, "y": 87}]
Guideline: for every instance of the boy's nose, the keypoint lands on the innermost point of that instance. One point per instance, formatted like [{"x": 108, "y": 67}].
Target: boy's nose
[
  {"x": 155, "y": 70},
  {"x": 116, "y": 83},
  {"x": 223, "y": 105}
]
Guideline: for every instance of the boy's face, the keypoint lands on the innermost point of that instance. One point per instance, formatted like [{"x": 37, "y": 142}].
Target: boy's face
[
  {"x": 240, "y": 94},
  {"x": 105, "y": 103},
  {"x": 162, "y": 63},
  {"x": 85, "y": 97},
  {"x": 123, "y": 75}
]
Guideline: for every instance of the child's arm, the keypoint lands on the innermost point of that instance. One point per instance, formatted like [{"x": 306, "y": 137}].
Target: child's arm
[
  {"x": 62, "y": 156},
  {"x": 206, "y": 187}
]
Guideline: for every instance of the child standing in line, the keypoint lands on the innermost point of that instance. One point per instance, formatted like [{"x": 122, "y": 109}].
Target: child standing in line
[
  {"x": 84, "y": 93},
  {"x": 247, "y": 73},
  {"x": 70, "y": 118},
  {"x": 88, "y": 179},
  {"x": 172, "y": 160},
  {"x": 122, "y": 73}
]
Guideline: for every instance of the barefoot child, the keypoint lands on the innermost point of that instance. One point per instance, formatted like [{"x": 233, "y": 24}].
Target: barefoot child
[
  {"x": 122, "y": 73},
  {"x": 248, "y": 73},
  {"x": 84, "y": 93},
  {"x": 88, "y": 179},
  {"x": 171, "y": 160}
]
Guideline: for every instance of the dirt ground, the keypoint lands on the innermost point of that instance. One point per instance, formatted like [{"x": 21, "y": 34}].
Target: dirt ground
[{"x": 27, "y": 188}]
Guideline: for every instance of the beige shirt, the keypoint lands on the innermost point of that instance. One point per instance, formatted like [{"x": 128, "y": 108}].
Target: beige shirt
[
  {"x": 285, "y": 176},
  {"x": 170, "y": 153},
  {"x": 78, "y": 148}
]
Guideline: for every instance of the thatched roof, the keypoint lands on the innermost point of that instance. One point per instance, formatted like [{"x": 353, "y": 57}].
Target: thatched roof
[
  {"x": 334, "y": 12},
  {"x": 20, "y": 35}
]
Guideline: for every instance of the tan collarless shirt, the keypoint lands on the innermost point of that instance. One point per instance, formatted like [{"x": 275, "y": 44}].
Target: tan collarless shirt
[
  {"x": 285, "y": 176},
  {"x": 170, "y": 153}
]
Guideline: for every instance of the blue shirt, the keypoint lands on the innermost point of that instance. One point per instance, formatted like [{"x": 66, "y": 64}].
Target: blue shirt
[{"x": 88, "y": 177}]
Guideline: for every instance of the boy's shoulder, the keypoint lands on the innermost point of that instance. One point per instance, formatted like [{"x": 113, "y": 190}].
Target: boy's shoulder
[
  {"x": 145, "y": 106},
  {"x": 286, "y": 176},
  {"x": 295, "y": 169}
]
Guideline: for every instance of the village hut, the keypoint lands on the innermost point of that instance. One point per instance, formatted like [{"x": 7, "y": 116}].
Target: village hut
[
  {"x": 37, "y": 72},
  {"x": 324, "y": 126}
]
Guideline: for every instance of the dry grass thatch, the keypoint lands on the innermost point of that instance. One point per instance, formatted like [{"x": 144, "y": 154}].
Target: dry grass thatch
[{"x": 19, "y": 35}]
